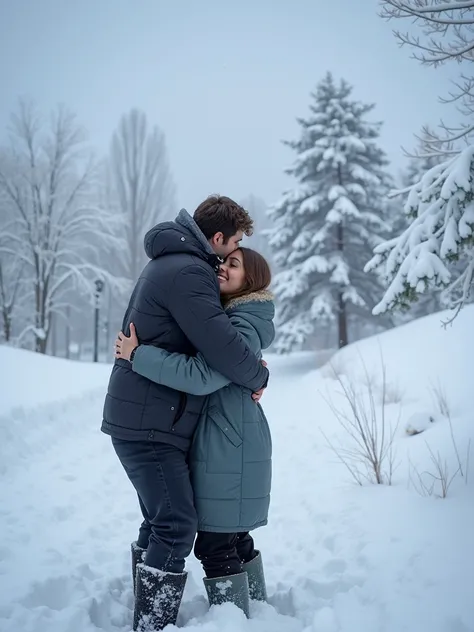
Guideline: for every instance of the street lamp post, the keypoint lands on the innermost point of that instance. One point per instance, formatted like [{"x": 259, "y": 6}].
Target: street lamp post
[{"x": 99, "y": 286}]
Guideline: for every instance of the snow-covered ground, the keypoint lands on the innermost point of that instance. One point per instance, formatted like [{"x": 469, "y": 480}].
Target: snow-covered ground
[{"x": 338, "y": 557}]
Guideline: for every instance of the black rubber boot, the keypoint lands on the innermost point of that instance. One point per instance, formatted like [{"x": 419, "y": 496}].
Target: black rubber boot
[
  {"x": 138, "y": 556},
  {"x": 254, "y": 570},
  {"x": 158, "y": 598},
  {"x": 230, "y": 588}
]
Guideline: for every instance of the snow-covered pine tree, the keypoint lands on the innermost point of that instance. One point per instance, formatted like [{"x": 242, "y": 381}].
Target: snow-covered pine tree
[
  {"x": 326, "y": 225},
  {"x": 419, "y": 163},
  {"x": 436, "y": 250}
]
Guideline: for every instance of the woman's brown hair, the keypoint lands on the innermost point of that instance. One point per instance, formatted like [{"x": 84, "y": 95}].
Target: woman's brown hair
[{"x": 257, "y": 273}]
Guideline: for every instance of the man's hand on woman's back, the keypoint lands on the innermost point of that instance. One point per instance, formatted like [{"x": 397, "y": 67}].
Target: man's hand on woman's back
[{"x": 256, "y": 396}]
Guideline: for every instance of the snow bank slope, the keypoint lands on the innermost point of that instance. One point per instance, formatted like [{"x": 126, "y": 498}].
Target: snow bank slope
[
  {"x": 421, "y": 354},
  {"x": 31, "y": 379}
]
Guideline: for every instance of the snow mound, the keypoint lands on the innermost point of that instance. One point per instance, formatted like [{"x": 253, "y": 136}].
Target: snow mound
[
  {"x": 421, "y": 357},
  {"x": 418, "y": 423}
]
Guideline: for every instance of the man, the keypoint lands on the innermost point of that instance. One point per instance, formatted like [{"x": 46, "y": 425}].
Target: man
[{"x": 175, "y": 305}]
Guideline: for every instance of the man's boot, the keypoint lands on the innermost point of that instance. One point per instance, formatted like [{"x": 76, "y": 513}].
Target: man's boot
[
  {"x": 158, "y": 598},
  {"x": 230, "y": 588},
  {"x": 254, "y": 570},
  {"x": 138, "y": 556}
]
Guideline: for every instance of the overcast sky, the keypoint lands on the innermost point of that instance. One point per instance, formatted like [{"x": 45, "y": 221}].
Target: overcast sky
[{"x": 224, "y": 79}]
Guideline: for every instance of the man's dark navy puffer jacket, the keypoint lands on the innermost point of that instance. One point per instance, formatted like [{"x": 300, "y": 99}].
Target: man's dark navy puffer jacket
[{"x": 176, "y": 306}]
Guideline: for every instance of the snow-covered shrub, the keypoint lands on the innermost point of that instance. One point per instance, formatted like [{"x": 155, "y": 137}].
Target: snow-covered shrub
[{"x": 367, "y": 446}]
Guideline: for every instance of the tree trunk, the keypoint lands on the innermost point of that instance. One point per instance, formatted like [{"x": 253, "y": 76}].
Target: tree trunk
[
  {"x": 7, "y": 325},
  {"x": 54, "y": 335},
  {"x": 341, "y": 315},
  {"x": 37, "y": 317},
  {"x": 6, "y": 310},
  {"x": 68, "y": 331},
  {"x": 41, "y": 338},
  {"x": 41, "y": 344},
  {"x": 342, "y": 323},
  {"x": 341, "y": 312}
]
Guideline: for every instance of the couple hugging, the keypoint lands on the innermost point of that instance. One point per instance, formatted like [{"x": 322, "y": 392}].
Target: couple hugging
[{"x": 183, "y": 414}]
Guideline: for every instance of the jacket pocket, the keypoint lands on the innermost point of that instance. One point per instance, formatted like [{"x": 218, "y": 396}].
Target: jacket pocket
[
  {"x": 227, "y": 428},
  {"x": 183, "y": 400}
]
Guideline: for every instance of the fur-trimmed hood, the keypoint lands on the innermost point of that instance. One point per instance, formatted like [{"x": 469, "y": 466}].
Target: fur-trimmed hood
[
  {"x": 262, "y": 296},
  {"x": 258, "y": 309}
]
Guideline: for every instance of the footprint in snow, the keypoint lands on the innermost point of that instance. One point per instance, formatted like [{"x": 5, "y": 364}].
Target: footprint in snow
[
  {"x": 325, "y": 621},
  {"x": 335, "y": 567},
  {"x": 327, "y": 590},
  {"x": 329, "y": 543},
  {"x": 69, "y": 477},
  {"x": 114, "y": 607},
  {"x": 55, "y": 593},
  {"x": 283, "y": 601},
  {"x": 61, "y": 514},
  {"x": 5, "y": 553}
]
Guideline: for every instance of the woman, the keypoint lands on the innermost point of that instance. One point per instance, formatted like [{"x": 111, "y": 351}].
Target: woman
[{"x": 230, "y": 459}]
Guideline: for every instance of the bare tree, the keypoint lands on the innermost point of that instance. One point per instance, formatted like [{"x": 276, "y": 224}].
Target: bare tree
[
  {"x": 142, "y": 186},
  {"x": 448, "y": 35},
  {"x": 47, "y": 182}
]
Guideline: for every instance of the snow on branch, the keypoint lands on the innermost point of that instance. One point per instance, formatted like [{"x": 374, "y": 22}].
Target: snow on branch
[
  {"x": 436, "y": 250},
  {"x": 430, "y": 10}
]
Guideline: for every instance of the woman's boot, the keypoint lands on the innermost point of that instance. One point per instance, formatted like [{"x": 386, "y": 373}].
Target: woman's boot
[
  {"x": 230, "y": 588},
  {"x": 254, "y": 570}
]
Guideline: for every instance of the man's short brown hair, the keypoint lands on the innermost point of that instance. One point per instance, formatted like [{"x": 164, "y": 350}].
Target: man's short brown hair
[{"x": 220, "y": 214}]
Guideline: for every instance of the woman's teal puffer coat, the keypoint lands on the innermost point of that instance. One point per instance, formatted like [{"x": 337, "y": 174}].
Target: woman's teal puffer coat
[{"x": 230, "y": 458}]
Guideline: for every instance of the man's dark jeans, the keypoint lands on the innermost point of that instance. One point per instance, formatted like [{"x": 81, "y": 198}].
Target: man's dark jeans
[{"x": 160, "y": 474}]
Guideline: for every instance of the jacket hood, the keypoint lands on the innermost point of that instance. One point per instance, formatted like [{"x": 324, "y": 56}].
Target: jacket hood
[
  {"x": 181, "y": 236},
  {"x": 258, "y": 309}
]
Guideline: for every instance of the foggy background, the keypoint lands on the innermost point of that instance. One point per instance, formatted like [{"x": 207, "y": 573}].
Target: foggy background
[{"x": 224, "y": 82}]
